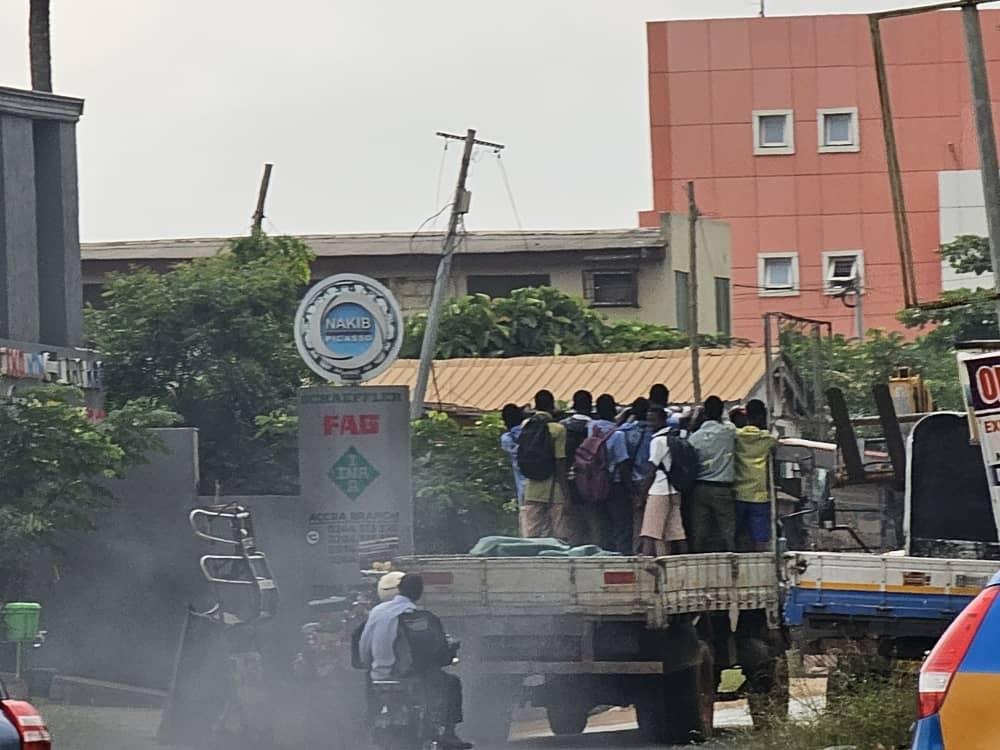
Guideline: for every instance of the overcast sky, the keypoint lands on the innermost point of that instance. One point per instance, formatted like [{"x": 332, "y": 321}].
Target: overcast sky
[{"x": 185, "y": 100}]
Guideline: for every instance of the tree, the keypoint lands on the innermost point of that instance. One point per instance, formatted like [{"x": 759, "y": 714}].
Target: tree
[
  {"x": 212, "y": 339},
  {"x": 56, "y": 463},
  {"x": 964, "y": 315},
  {"x": 463, "y": 485},
  {"x": 537, "y": 321},
  {"x": 39, "y": 45}
]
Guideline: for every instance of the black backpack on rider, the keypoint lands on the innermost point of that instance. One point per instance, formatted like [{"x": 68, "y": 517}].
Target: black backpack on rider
[{"x": 421, "y": 644}]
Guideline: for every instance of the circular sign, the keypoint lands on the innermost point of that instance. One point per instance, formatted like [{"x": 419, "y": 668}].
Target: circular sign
[
  {"x": 348, "y": 328},
  {"x": 312, "y": 537}
]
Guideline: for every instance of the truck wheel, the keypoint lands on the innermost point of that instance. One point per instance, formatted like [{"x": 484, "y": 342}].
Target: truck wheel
[
  {"x": 767, "y": 690},
  {"x": 567, "y": 719},
  {"x": 680, "y": 707},
  {"x": 690, "y": 700}
]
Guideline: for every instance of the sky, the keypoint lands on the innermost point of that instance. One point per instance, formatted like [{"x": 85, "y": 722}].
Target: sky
[{"x": 186, "y": 99}]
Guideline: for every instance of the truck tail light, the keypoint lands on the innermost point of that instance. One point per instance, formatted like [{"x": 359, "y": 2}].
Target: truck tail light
[
  {"x": 618, "y": 577},
  {"x": 29, "y": 724},
  {"x": 944, "y": 659}
]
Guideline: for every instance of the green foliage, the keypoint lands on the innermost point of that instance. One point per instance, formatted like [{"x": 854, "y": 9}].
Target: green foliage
[
  {"x": 55, "y": 463},
  {"x": 968, "y": 253},
  {"x": 877, "y": 715},
  {"x": 463, "y": 485},
  {"x": 212, "y": 340},
  {"x": 537, "y": 321}
]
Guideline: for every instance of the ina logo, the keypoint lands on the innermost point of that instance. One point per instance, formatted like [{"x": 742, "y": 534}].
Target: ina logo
[{"x": 352, "y": 473}]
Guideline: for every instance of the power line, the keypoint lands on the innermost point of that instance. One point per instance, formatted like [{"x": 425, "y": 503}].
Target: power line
[{"x": 510, "y": 197}]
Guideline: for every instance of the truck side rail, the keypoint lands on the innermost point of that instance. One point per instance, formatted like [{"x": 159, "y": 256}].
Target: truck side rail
[{"x": 832, "y": 584}]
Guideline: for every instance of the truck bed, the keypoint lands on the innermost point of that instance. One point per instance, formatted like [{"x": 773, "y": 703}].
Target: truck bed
[
  {"x": 880, "y": 587},
  {"x": 596, "y": 587}
]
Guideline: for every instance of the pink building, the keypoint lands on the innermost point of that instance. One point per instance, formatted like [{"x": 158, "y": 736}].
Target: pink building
[{"x": 777, "y": 121}]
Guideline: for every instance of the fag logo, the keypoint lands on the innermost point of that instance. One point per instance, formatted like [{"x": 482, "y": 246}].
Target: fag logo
[{"x": 350, "y": 424}]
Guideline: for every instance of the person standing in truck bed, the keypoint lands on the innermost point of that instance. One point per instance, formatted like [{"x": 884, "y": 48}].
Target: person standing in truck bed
[
  {"x": 713, "y": 506},
  {"x": 662, "y": 529},
  {"x": 513, "y": 416},
  {"x": 541, "y": 456},
  {"x": 754, "y": 445}
]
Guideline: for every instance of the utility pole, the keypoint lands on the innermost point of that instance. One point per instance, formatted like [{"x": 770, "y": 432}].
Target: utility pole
[
  {"x": 762, "y": 8},
  {"x": 988, "y": 167},
  {"x": 459, "y": 206},
  {"x": 258, "y": 214},
  {"x": 693, "y": 291},
  {"x": 859, "y": 311}
]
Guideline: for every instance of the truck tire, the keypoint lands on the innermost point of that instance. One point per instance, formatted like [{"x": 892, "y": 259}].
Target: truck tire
[
  {"x": 690, "y": 700},
  {"x": 679, "y": 708},
  {"x": 767, "y": 689},
  {"x": 567, "y": 719}
]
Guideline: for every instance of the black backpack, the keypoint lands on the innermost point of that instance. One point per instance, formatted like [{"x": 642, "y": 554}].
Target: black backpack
[
  {"x": 684, "y": 464},
  {"x": 536, "y": 453},
  {"x": 421, "y": 644}
]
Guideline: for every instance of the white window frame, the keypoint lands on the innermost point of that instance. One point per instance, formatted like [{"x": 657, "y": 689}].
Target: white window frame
[
  {"x": 788, "y": 147},
  {"x": 851, "y": 146},
  {"x": 763, "y": 290},
  {"x": 831, "y": 289}
]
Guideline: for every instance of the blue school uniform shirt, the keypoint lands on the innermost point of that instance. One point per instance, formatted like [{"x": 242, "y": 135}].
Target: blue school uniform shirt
[{"x": 509, "y": 441}]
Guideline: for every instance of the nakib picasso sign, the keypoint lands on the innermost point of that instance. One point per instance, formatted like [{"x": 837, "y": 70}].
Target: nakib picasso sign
[
  {"x": 348, "y": 328},
  {"x": 980, "y": 377}
]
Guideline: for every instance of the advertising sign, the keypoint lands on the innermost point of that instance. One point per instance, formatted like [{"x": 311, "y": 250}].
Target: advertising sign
[
  {"x": 348, "y": 328},
  {"x": 981, "y": 386},
  {"x": 354, "y": 468}
]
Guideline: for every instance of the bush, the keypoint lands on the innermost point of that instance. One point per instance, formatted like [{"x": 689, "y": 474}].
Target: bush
[
  {"x": 876, "y": 715},
  {"x": 462, "y": 481}
]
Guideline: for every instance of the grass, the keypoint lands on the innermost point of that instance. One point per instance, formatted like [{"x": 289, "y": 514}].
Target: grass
[{"x": 873, "y": 715}]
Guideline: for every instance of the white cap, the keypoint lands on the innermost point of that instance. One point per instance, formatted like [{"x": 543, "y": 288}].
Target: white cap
[{"x": 388, "y": 585}]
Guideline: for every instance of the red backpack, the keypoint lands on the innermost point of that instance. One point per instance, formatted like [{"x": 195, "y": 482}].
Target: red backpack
[{"x": 590, "y": 468}]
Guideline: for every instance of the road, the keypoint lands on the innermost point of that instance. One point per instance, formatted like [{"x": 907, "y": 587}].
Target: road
[{"x": 617, "y": 729}]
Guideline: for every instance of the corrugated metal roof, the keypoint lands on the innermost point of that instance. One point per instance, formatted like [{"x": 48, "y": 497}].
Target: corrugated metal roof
[
  {"x": 481, "y": 384},
  {"x": 395, "y": 243}
]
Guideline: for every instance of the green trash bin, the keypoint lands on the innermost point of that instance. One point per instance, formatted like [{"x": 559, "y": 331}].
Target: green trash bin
[{"x": 20, "y": 620}]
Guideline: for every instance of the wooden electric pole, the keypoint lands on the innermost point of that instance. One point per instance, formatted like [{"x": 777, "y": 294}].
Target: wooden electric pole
[
  {"x": 258, "y": 214},
  {"x": 693, "y": 291},
  {"x": 39, "y": 45},
  {"x": 459, "y": 207},
  {"x": 988, "y": 167}
]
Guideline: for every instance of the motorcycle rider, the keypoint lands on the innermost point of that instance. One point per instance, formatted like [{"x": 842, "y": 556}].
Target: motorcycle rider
[{"x": 384, "y": 641}]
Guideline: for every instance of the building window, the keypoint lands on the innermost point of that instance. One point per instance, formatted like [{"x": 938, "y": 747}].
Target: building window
[
  {"x": 723, "y": 313},
  {"x": 611, "y": 288},
  {"x": 503, "y": 285},
  {"x": 778, "y": 274},
  {"x": 843, "y": 270},
  {"x": 773, "y": 132},
  {"x": 838, "y": 130},
  {"x": 681, "y": 296}
]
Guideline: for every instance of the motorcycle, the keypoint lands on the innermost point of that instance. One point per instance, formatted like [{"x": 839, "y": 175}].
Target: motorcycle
[{"x": 400, "y": 719}]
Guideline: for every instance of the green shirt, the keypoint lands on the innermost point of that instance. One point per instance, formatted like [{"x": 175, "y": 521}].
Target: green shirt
[
  {"x": 548, "y": 490},
  {"x": 753, "y": 448}
]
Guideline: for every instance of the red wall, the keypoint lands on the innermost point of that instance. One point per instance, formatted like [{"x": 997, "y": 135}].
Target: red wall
[{"x": 705, "y": 79}]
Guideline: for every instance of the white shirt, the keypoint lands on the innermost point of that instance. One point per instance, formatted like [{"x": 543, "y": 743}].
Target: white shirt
[
  {"x": 659, "y": 456},
  {"x": 378, "y": 639}
]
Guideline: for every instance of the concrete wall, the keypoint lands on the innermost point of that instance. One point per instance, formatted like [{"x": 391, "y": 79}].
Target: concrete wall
[
  {"x": 963, "y": 211},
  {"x": 114, "y": 599},
  {"x": 41, "y": 295}
]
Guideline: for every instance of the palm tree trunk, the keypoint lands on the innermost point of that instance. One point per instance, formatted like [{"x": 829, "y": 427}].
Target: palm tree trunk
[{"x": 38, "y": 46}]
